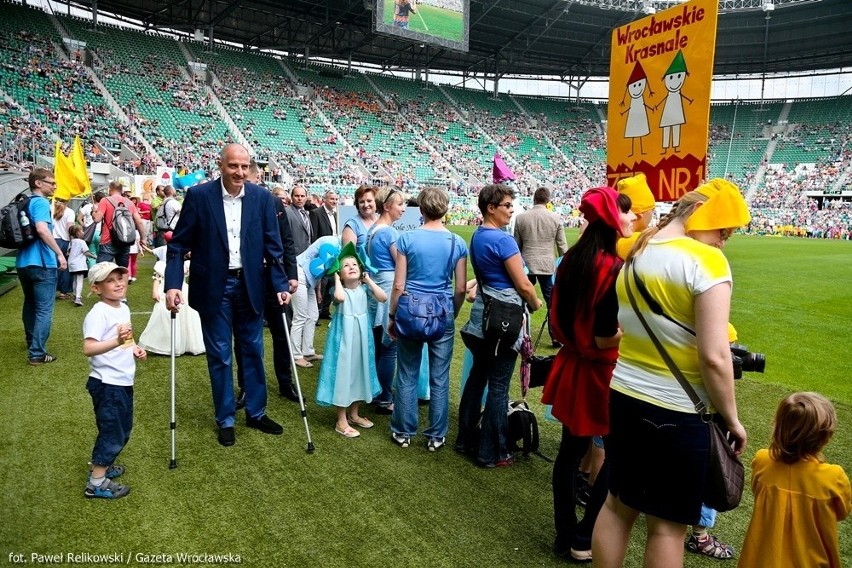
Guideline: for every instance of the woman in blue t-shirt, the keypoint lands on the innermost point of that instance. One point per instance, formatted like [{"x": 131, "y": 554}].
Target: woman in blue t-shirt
[
  {"x": 420, "y": 253},
  {"x": 356, "y": 228},
  {"x": 381, "y": 248},
  {"x": 500, "y": 270}
]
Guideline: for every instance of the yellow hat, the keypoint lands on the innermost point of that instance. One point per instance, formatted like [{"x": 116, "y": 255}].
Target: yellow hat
[
  {"x": 636, "y": 188},
  {"x": 725, "y": 207}
]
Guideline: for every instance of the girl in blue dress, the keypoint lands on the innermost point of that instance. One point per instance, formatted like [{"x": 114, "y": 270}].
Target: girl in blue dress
[{"x": 348, "y": 374}]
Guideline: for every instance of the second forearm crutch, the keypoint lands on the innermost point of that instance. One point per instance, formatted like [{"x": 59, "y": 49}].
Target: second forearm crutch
[
  {"x": 310, "y": 448},
  {"x": 172, "y": 462}
]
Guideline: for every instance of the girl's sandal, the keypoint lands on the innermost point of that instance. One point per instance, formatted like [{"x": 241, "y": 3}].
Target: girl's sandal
[
  {"x": 348, "y": 432},
  {"x": 360, "y": 421},
  {"x": 710, "y": 547}
]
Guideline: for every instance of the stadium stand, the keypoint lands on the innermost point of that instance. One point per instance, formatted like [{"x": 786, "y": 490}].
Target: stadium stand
[{"x": 335, "y": 128}]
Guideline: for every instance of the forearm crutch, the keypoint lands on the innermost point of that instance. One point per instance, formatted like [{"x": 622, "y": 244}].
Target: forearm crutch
[
  {"x": 172, "y": 462},
  {"x": 310, "y": 447}
]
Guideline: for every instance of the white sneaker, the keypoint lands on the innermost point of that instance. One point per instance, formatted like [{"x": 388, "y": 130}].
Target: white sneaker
[{"x": 401, "y": 440}]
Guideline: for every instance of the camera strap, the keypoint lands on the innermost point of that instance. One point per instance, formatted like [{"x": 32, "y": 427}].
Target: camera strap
[{"x": 699, "y": 405}]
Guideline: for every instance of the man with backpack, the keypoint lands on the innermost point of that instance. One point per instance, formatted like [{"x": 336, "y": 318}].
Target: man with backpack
[
  {"x": 37, "y": 265},
  {"x": 120, "y": 221},
  {"x": 167, "y": 215}
]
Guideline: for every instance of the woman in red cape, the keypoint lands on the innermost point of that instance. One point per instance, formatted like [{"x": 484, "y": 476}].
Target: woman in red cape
[{"x": 583, "y": 315}]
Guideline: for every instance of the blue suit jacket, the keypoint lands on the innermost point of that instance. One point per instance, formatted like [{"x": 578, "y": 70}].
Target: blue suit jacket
[{"x": 201, "y": 230}]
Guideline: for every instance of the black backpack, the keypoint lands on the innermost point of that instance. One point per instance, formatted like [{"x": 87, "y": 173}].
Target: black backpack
[
  {"x": 123, "y": 228},
  {"x": 17, "y": 229},
  {"x": 523, "y": 428}
]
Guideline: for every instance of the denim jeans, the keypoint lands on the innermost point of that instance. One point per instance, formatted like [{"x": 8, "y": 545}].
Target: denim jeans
[
  {"x": 119, "y": 254},
  {"x": 63, "y": 277},
  {"x": 235, "y": 322},
  {"x": 113, "y": 406},
  {"x": 385, "y": 367},
  {"x": 495, "y": 372},
  {"x": 39, "y": 287},
  {"x": 405, "y": 412}
]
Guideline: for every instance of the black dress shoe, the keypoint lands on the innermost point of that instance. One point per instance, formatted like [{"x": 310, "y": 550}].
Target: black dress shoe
[
  {"x": 384, "y": 410},
  {"x": 556, "y": 344},
  {"x": 226, "y": 436},
  {"x": 289, "y": 392},
  {"x": 241, "y": 399},
  {"x": 265, "y": 424}
]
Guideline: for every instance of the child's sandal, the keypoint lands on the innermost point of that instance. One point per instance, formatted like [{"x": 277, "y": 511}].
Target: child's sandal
[{"x": 710, "y": 547}]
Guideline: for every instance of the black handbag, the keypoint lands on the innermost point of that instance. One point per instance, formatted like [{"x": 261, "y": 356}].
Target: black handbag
[
  {"x": 725, "y": 480},
  {"x": 424, "y": 316},
  {"x": 501, "y": 320},
  {"x": 539, "y": 364}
]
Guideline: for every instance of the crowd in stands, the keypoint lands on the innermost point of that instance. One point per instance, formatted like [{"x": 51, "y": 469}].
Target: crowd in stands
[{"x": 326, "y": 136}]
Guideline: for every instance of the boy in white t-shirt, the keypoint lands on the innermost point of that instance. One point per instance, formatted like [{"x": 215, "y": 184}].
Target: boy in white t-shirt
[{"x": 108, "y": 343}]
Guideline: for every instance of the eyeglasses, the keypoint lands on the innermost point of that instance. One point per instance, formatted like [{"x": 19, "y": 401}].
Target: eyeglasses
[
  {"x": 50, "y": 181},
  {"x": 508, "y": 205}
]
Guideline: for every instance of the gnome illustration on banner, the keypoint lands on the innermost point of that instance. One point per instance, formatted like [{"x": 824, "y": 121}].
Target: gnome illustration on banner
[
  {"x": 637, "y": 116},
  {"x": 673, "y": 115}
]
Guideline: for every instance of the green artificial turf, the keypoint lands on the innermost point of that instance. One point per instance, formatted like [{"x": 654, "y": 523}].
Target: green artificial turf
[{"x": 362, "y": 502}]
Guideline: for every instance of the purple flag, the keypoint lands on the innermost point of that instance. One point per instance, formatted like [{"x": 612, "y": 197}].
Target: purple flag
[{"x": 500, "y": 172}]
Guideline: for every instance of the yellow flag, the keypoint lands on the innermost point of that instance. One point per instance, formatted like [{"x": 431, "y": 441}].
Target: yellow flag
[
  {"x": 63, "y": 172},
  {"x": 78, "y": 160}
]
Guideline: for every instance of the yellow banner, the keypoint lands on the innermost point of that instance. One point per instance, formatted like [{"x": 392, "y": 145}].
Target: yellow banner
[{"x": 658, "y": 123}]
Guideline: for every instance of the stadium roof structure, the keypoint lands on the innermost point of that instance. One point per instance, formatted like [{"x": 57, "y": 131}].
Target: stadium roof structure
[{"x": 557, "y": 38}]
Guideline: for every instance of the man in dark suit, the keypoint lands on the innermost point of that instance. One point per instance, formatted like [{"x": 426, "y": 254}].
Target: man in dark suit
[
  {"x": 324, "y": 224},
  {"x": 230, "y": 228},
  {"x": 299, "y": 219},
  {"x": 272, "y": 310}
]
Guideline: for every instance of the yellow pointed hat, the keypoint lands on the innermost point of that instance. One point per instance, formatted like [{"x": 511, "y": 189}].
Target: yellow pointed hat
[
  {"x": 636, "y": 188},
  {"x": 725, "y": 207}
]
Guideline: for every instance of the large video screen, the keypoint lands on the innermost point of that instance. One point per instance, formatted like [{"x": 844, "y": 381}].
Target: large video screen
[{"x": 444, "y": 23}]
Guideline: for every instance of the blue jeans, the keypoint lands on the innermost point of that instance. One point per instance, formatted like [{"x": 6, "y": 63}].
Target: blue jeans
[
  {"x": 235, "y": 321},
  {"x": 405, "y": 412},
  {"x": 39, "y": 287},
  {"x": 63, "y": 278},
  {"x": 113, "y": 406},
  {"x": 495, "y": 372},
  {"x": 119, "y": 254},
  {"x": 385, "y": 367}
]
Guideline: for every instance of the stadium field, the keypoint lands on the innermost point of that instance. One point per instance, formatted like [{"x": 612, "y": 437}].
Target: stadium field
[
  {"x": 362, "y": 502},
  {"x": 441, "y": 22}
]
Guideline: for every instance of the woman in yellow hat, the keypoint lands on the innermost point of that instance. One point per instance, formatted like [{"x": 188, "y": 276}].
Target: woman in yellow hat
[{"x": 658, "y": 445}]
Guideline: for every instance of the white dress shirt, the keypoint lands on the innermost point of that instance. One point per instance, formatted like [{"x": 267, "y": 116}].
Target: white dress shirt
[{"x": 233, "y": 225}]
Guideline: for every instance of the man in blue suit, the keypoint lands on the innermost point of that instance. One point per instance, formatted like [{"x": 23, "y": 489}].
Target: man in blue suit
[{"x": 230, "y": 228}]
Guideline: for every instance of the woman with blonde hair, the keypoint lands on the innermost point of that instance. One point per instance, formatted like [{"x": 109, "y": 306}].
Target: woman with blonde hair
[
  {"x": 658, "y": 445},
  {"x": 380, "y": 246}
]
